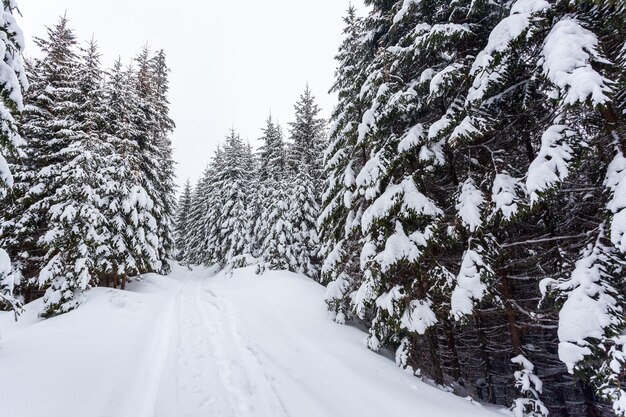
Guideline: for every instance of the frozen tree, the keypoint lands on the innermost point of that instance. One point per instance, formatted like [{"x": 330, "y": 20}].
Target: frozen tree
[
  {"x": 302, "y": 217},
  {"x": 339, "y": 219},
  {"x": 275, "y": 230},
  {"x": 133, "y": 241},
  {"x": 64, "y": 169},
  {"x": 272, "y": 153},
  {"x": 272, "y": 230},
  {"x": 12, "y": 83},
  {"x": 230, "y": 243},
  {"x": 307, "y": 137},
  {"x": 183, "y": 219},
  {"x": 153, "y": 126},
  {"x": 165, "y": 183}
]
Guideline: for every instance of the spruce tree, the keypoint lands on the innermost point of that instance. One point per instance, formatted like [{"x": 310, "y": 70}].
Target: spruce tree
[
  {"x": 194, "y": 245},
  {"x": 272, "y": 230},
  {"x": 64, "y": 169},
  {"x": 12, "y": 83},
  {"x": 303, "y": 211},
  {"x": 166, "y": 174},
  {"x": 305, "y": 159},
  {"x": 231, "y": 242},
  {"x": 307, "y": 137},
  {"x": 340, "y": 214},
  {"x": 183, "y": 220},
  {"x": 153, "y": 127},
  {"x": 271, "y": 154}
]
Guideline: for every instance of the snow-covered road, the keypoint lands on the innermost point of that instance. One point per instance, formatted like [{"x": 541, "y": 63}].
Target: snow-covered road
[{"x": 197, "y": 345}]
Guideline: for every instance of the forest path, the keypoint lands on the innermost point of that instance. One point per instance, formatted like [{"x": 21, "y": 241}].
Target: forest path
[
  {"x": 210, "y": 368},
  {"x": 200, "y": 344}
]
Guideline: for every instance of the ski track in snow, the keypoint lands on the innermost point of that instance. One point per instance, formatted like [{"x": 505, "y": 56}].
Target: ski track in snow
[{"x": 202, "y": 366}]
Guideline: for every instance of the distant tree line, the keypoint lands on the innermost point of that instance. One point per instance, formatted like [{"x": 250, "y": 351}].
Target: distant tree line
[{"x": 259, "y": 207}]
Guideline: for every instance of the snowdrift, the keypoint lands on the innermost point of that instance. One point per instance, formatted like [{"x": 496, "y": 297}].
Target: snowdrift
[{"x": 193, "y": 344}]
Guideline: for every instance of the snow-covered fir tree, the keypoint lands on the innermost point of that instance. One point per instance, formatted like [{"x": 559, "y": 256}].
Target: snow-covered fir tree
[
  {"x": 340, "y": 215},
  {"x": 302, "y": 214},
  {"x": 132, "y": 227},
  {"x": 476, "y": 150},
  {"x": 164, "y": 126},
  {"x": 272, "y": 231},
  {"x": 157, "y": 166},
  {"x": 183, "y": 219},
  {"x": 305, "y": 157},
  {"x": 272, "y": 153},
  {"x": 63, "y": 169},
  {"x": 12, "y": 83},
  {"x": 231, "y": 242},
  {"x": 307, "y": 136}
]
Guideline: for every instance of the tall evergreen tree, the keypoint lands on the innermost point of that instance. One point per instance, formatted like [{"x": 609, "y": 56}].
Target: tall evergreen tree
[
  {"x": 194, "y": 246},
  {"x": 183, "y": 220},
  {"x": 166, "y": 180},
  {"x": 231, "y": 244},
  {"x": 307, "y": 136},
  {"x": 271, "y": 154},
  {"x": 306, "y": 157},
  {"x": 340, "y": 215},
  {"x": 63, "y": 169},
  {"x": 153, "y": 126},
  {"x": 303, "y": 211},
  {"x": 272, "y": 232},
  {"x": 12, "y": 83},
  {"x": 132, "y": 226}
]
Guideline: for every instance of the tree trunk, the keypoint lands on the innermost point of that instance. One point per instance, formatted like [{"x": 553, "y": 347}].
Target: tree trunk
[{"x": 511, "y": 316}]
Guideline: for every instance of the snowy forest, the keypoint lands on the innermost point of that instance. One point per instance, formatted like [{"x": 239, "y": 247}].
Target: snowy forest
[{"x": 464, "y": 205}]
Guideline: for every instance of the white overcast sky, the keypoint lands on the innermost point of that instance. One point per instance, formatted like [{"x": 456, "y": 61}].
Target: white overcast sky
[{"x": 232, "y": 60}]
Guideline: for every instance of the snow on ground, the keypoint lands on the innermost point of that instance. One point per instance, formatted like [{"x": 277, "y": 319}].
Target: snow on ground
[{"x": 193, "y": 344}]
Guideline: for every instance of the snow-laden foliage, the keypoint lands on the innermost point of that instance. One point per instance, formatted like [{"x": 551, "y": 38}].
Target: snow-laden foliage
[
  {"x": 12, "y": 83},
  {"x": 470, "y": 201},
  {"x": 616, "y": 183},
  {"x": 568, "y": 53},
  {"x": 531, "y": 387},
  {"x": 505, "y": 195},
  {"x": 8, "y": 282},
  {"x": 591, "y": 320},
  {"x": 491, "y": 64},
  {"x": 404, "y": 196},
  {"x": 552, "y": 164},
  {"x": 302, "y": 215},
  {"x": 471, "y": 284},
  {"x": 471, "y": 146}
]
